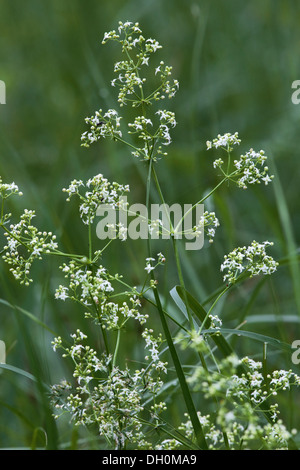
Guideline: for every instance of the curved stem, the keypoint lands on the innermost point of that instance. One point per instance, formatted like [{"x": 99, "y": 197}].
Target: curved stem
[
  {"x": 200, "y": 202},
  {"x": 212, "y": 306}
]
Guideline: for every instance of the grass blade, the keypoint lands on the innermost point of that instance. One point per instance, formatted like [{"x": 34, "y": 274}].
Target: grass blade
[{"x": 201, "y": 315}]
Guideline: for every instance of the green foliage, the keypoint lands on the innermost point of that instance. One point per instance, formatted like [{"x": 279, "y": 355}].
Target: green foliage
[{"x": 218, "y": 91}]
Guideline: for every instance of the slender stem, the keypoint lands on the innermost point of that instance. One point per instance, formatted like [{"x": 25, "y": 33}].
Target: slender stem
[
  {"x": 177, "y": 258},
  {"x": 116, "y": 348},
  {"x": 179, "y": 371},
  {"x": 161, "y": 196},
  {"x": 90, "y": 242},
  {"x": 181, "y": 281},
  {"x": 213, "y": 305},
  {"x": 2, "y": 210},
  {"x": 200, "y": 202}
]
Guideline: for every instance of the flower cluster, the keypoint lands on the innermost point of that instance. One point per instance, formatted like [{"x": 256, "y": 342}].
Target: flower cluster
[
  {"x": 270, "y": 436},
  {"x": 240, "y": 395},
  {"x": 86, "y": 285},
  {"x": 92, "y": 287},
  {"x": 258, "y": 388},
  {"x": 102, "y": 125},
  {"x": 25, "y": 243},
  {"x": 226, "y": 141},
  {"x": 249, "y": 169},
  {"x": 153, "y": 344},
  {"x": 98, "y": 191},
  {"x": 252, "y": 259},
  {"x": 161, "y": 136},
  {"x": 129, "y": 81},
  {"x": 133, "y": 90},
  {"x": 105, "y": 395},
  {"x": 8, "y": 189},
  {"x": 149, "y": 262},
  {"x": 208, "y": 222}
]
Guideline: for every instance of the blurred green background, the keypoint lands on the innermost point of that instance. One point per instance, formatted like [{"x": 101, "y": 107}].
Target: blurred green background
[{"x": 235, "y": 62}]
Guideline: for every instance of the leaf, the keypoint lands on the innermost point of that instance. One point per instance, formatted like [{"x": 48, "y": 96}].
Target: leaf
[
  {"x": 219, "y": 340},
  {"x": 16, "y": 370},
  {"x": 29, "y": 315},
  {"x": 200, "y": 436},
  {"x": 256, "y": 336},
  {"x": 201, "y": 315},
  {"x": 22, "y": 372}
]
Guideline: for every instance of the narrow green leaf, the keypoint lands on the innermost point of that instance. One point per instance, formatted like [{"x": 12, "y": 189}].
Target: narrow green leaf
[
  {"x": 256, "y": 336},
  {"x": 22, "y": 372},
  {"x": 181, "y": 377},
  {"x": 16, "y": 370},
  {"x": 28, "y": 314},
  {"x": 272, "y": 318},
  {"x": 289, "y": 235}
]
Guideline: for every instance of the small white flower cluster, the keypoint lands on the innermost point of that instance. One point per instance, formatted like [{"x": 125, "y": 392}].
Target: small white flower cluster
[
  {"x": 92, "y": 287},
  {"x": 258, "y": 390},
  {"x": 102, "y": 125},
  {"x": 99, "y": 191},
  {"x": 252, "y": 259},
  {"x": 25, "y": 243},
  {"x": 249, "y": 169},
  {"x": 85, "y": 285},
  {"x": 153, "y": 344},
  {"x": 168, "y": 88},
  {"x": 132, "y": 90},
  {"x": 105, "y": 395},
  {"x": 240, "y": 394},
  {"x": 167, "y": 120},
  {"x": 130, "y": 37},
  {"x": 161, "y": 135},
  {"x": 208, "y": 222},
  {"x": 114, "y": 316},
  {"x": 160, "y": 260},
  {"x": 270, "y": 436},
  {"x": 215, "y": 322},
  {"x": 226, "y": 141},
  {"x": 156, "y": 227},
  {"x": 119, "y": 230},
  {"x": 8, "y": 189}
]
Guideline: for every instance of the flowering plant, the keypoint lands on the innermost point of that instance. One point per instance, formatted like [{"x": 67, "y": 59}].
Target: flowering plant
[{"x": 126, "y": 405}]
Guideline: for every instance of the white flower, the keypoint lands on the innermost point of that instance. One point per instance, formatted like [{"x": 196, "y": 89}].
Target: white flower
[
  {"x": 149, "y": 268},
  {"x": 61, "y": 293},
  {"x": 251, "y": 169},
  {"x": 252, "y": 259}
]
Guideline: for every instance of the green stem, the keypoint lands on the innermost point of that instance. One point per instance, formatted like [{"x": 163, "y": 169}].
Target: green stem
[
  {"x": 177, "y": 258},
  {"x": 90, "y": 242},
  {"x": 181, "y": 281},
  {"x": 2, "y": 210},
  {"x": 116, "y": 348},
  {"x": 181, "y": 377},
  {"x": 200, "y": 202},
  {"x": 213, "y": 305}
]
